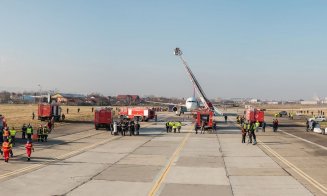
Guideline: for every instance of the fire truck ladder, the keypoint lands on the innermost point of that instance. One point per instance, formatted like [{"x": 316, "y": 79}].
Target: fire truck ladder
[{"x": 199, "y": 90}]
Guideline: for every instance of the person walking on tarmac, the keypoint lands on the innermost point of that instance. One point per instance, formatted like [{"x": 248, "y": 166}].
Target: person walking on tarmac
[
  {"x": 29, "y": 147},
  {"x": 225, "y": 119},
  {"x": 13, "y": 135},
  {"x": 6, "y": 149},
  {"x": 248, "y": 130},
  {"x": 29, "y": 132},
  {"x": 45, "y": 133}
]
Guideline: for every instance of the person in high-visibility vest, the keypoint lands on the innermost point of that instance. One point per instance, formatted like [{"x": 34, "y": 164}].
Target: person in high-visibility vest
[
  {"x": 29, "y": 132},
  {"x": 6, "y": 149},
  {"x": 13, "y": 135},
  {"x": 252, "y": 128},
  {"x": 174, "y": 127},
  {"x": 29, "y": 147},
  {"x": 179, "y": 126},
  {"x": 6, "y": 134},
  {"x": 257, "y": 125},
  {"x": 11, "y": 145},
  {"x": 40, "y": 134}
]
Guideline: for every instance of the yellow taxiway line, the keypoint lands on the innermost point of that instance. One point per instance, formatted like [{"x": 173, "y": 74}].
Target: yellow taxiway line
[{"x": 162, "y": 177}]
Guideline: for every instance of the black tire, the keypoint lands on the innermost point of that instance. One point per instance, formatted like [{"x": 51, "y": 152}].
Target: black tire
[{"x": 96, "y": 127}]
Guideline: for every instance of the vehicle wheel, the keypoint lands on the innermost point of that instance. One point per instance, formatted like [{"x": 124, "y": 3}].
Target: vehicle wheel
[{"x": 96, "y": 127}]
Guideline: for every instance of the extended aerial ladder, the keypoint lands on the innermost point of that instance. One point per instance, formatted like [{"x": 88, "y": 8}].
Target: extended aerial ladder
[{"x": 207, "y": 104}]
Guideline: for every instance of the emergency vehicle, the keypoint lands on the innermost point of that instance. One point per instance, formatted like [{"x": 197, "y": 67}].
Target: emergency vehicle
[
  {"x": 253, "y": 115},
  {"x": 46, "y": 111},
  {"x": 137, "y": 113},
  {"x": 204, "y": 116},
  {"x": 103, "y": 118}
]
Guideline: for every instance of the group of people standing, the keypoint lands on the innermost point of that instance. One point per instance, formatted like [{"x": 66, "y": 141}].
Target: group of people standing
[
  {"x": 250, "y": 128},
  {"x": 124, "y": 126},
  {"x": 275, "y": 125},
  {"x": 8, "y": 141},
  {"x": 173, "y": 126}
]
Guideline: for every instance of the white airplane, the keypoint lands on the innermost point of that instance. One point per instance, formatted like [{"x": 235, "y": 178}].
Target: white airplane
[{"x": 191, "y": 104}]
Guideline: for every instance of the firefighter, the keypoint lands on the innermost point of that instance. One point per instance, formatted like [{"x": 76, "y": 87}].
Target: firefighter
[
  {"x": 179, "y": 126},
  {"x": 29, "y": 132},
  {"x": 6, "y": 149},
  {"x": 114, "y": 130},
  {"x": 24, "y": 128},
  {"x": 133, "y": 127},
  {"x": 129, "y": 124},
  {"x": 264, "y": 126},
  {"x": 29, "y": 147},
  {"x": 40, "y": 134},
  {"x": 244, "y": 128},
  {"x": 45, "y": 133},
  {"x": 123, "y": 128},
  {"x": 13, "y": 135},
  {"x": 203, "y": 126},
  {"x": 137, "y": 128},
  {"x": 6, "y": 134}
]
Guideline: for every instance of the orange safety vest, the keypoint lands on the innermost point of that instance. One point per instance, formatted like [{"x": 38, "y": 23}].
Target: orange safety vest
[
  {"x": 5, "y": 146},
  {"x": 28, "y": 146},
  {"x": 6, "y": 133}
]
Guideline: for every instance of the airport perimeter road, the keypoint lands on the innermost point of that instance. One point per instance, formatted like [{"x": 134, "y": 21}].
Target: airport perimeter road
[{"x": 154, "y": 163}]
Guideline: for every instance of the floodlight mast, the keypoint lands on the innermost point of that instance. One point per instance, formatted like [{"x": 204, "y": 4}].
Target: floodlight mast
[{"x": 199, "y": 90}]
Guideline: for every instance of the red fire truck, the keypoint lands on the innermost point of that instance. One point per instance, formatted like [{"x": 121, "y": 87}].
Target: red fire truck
[
  {"x": 137, "y": 113},
  {"x": 206, "y": 116},
  {"x": 46, "y": 111},
  {"x": 254, "y": 115},
  {"x": 103, "y": 118}
]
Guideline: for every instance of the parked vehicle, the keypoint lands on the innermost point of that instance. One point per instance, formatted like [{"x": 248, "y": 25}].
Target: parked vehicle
[
  {"x": 103, "y": 118},
  {"x": 137, "y": 113},
  {"x": 46, "y": 111}
]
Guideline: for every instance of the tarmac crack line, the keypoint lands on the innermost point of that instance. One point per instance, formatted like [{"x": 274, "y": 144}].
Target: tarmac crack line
[{"x": 312, "y": 181}]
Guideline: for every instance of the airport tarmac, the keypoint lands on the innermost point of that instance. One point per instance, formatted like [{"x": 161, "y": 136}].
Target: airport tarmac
[{"x": 82, "y": 161}]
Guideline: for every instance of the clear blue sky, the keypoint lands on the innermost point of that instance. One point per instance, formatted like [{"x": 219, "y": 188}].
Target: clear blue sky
[{"x": 264, "y": 49}]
